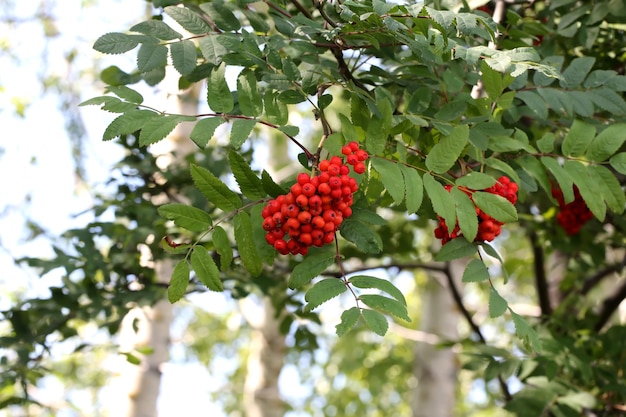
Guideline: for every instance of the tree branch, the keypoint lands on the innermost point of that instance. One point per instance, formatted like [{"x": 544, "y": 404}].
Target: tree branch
[
  {"x": 345, "y": 71},
  {"x": 541, "y": 281},
  {"x": 609, "y": 306},
  {"x": 596, "y": 278}
]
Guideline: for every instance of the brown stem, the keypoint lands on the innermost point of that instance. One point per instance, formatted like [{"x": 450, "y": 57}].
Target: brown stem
[
  {"x": 609, "y": 306},
  {"x": 596, "y": 278},
  {"x": 302, "y": 9},
  {"x": 541, "y": 281}
]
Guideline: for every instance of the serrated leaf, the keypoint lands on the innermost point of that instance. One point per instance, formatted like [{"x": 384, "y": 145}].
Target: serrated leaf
[
  {"x": 612, "y": 191},
  {"x": 496, "y": 206},
  {"x": 270, "y": 187},
  {"x": 125, "y": 93},
  {"x": 178, "y": 282},
  {"x": 249, "y": 184},
  {"x": 323, "y": 291},
  {"x": 189, "y": 20},
  {"x": 501, "y": 166},
  {"x": 362, "y": 236},
  {"x": 414, "y": 188},
  {"x": 535, "y": 169},
  {"x": 456, "y": 249},
  {"x": 441, "y": 200},
  {"x": 158, "y": 128},
  {"x": 386, "y": 304},
  {"x": 275, "y": 110},
  {"x": 534, "y": 102},
  {"x": 578, "y": 138},
  {"x": 204, "y": 129},
  {"x": 588, "y": 190},
  {"x": 367, "y": 216},
  {"x": 309, "y": 268},
  {"x": 577, "y": 71},
  {"x": 446, "y": 152},
  {"x": 618, "y": 162},
  {"x": 491, "y": 251},
  {"x": 525, "y": 331},
  {"x": 609, "y": 141},
  {"x": 266, "y": 252},
  {"x": 223, "y": 247},
  {"x": 187, "y": 217},
  {"x": 492, "y": 81},
  {"x": 476, "y": 181},
  {"x": 546, "y": 143},
  {"x": 215, "y": 191},
  {"x": 156, "y": 28},
  {"x": 205, "y": 269},
  {"x": 115, "y": 43},
  {"x": 348, "y": 319},
  {"x": 391, "y": 177},
  {"x": 240, "y": 131},
  {"x": 608, "y": 100},
  {"x": 250, "y": 100},
  {"x": 475, "y": 271},
  {"x": 184, "y": 56},
  {"x": 219, "y": 96},
  {"x": 378, "y": 127},
  {"x": 128, "y": 123},
  {"x": 466, "y": 214},
  {"x": 222, "y": 16},
  {"x": 151, "y": 56},
  {"x": 245, "y": 244},
  {"x": 375, "y": 321},
  {"x": 497, "y": 304},
  {"x": 96, "y": 101},
  {"x": 562, "y": 178},
  {"x": 212, "y": 49},
  {"x": 365, "y": 281}
]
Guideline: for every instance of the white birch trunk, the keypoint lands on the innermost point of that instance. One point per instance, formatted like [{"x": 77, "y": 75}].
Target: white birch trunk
[{"x": 436, "y": 369}]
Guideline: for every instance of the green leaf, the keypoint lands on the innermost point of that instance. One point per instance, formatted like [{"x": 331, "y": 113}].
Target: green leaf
[
  {"x": 174, "y": 248},
  {"x": 562, "y": 178},
  {"x": 223, "y": 247},
  {"x": 456, "y": 249},
  {"x": 535, "y": 103},
  {"x": 414, "y": 188},
  {"x": 609, "y": 141},
  {"x": 588, "y": 190},
  {"x": 158, "y": 128},
  {"x": 240, "y": 131},
  {"x": 250, "y": 185},
  {"x": 375, "y": 321},
  {"x": 212, "y": 49},
  {"x": 348, "y": 319},
  {"x": 204, "y": 129},
  {"x": 476, "y": 181},
  {"x": 223, "y": 18},
  {"x": 365, "y": 281},
  {"x": 446, "y": 152},
  {"x": 151, "y": 56},
  {"x": 610, "y": 187},
  {"x": 577, "y": 71},
  {"x": 187, "y": 217},
  {"x": 115, "y": 43},
  {"x": 525, "y": 331},
  {"x": 385, "y": 304},
  {"x": 156, "y": 28},
  {"x": 275, "y": 110},
  {"x": 546, "y": 143},
  {"x": 491, "y": 251},
  {"x": 618, "y": 162},
  {"x": 128, "y": 123},
  {"x": 391, "y": 177},
  {"x": 184, "y": 56},
  {"x": 270, "y": 187},
  {"x": 496, "y": 206},
  {"x": 532, "y": 166},
  {"x": 441, "y": 200},
  {"x": 578, "y": 138},
  {"x": 501, "y": 166},
  {"x": 189, "y": 20},
  {"x": 466, "y": 214},
  {"x": 497, "y": 304},
  {"x": 578, "y": 400},
  {"x": 492, "y": 81},
  {"x": 475, "y": 271},
  {"x": 362, "y": 236},
  {"x": 219, "y": 96},
  {"x": 323, "y": 291},
  {"x": 250, "y": 100},
  {"x": 608, "y": 100},
  {"x": 205, "y": 269},
  {"x": 215, "y": 191},
  {"x": 245, "y": 243},
  {"x": 178, "y": 282},
  {"x": 309, "y": 268},
  {"x": 378, "y": 128},
  {"x": 125, "y": 93}
]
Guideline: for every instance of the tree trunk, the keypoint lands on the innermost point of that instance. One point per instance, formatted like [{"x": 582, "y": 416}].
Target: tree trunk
[{"x": 436, "y": 368}]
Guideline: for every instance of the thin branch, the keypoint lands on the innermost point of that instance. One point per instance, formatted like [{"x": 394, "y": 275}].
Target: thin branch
[
  {"x": 345, "y": 71},
  {"x": 541, "y": 281},
  {"x": 596, "y": 278},
  {"x": 609, "y": 306},
  {"x": 302, "y": 9},
  {"x": 400, "y": 267}
]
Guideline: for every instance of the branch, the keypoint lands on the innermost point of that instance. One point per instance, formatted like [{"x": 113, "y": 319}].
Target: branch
[
  {"x": 596, "y": 278},
  {"x": 414, "y": 265},
  {"x": 609, "y": 306},
  {"x": 302, "y": 9},
  {"x": 541, "y": 280},
  {"x": 345, "y": 71}
]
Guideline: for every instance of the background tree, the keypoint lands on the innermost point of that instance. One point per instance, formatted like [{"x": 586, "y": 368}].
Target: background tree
[{"x": 469, "y": 126}]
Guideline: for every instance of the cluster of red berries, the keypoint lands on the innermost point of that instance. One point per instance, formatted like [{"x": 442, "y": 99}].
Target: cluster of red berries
[
  {"x": 312, "y": 211},
  {"x": 574, "y": 215},
  {"x": 488, "y": 227}
]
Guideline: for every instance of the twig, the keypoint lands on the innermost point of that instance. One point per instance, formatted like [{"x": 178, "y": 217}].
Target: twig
[
  {"x": 302, "y": 9},
  {"x": 541, "y": 280},
  {"x": 609, "y": 306},
  {"x": 596, "y": 278}
]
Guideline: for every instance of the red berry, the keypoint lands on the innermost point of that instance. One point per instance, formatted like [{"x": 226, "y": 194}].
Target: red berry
[
  {"x": 346, "y": 150},
  {"x": 323, "y": 165},
  {"x": 361, "y": 155},
  {"x": 304, "y": 217},
  {"x": 354, "y": 146},
  {"x": 309, "y": 189},
  {"x": 324, "y": 188},
  {"x": 359, "y": 168},
  {"x": 352, "y": 159},
  {"x": 303, "y": 178}
]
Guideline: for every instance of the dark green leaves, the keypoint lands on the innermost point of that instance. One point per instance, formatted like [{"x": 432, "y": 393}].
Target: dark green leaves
[
  {"x": 215, "y": 191},
  {"x": 309, "y": 268},
  {"x": 204, "y": 129},
  {"x": 446, "y": 152},
  {"x": 607, "y": 142},
  {"x": 456, "y": 249},
  {"x": 578, "y": 138},
  {"x": 323, "y": 291},
  {"x": 496, "y": 206},
  {"x": 189, "y": 20},
  {"x": 348, "y": 319},
  {"x": 246, "y": 245},
  {"x": 115, "y": 43},
  {"x": 249, "y": 183},
  {"x": 187, "y": 217},
  {"x": 183, "y": 56},
  {"x": 218, "y": 94},
  {"x": 205, "y": 269},
  {"x": 441, "y": 200},
  {"x": 151, "y": 56},
  {"x": 179, "y": 281},
  {"x": 475, "y": 271}
]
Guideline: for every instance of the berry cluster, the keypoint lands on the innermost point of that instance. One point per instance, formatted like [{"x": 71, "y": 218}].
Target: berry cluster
[
  {"x": 574, "y": 215},
  {"x": 312, "y": 211},
  {"x": 488, "y": 227}
]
